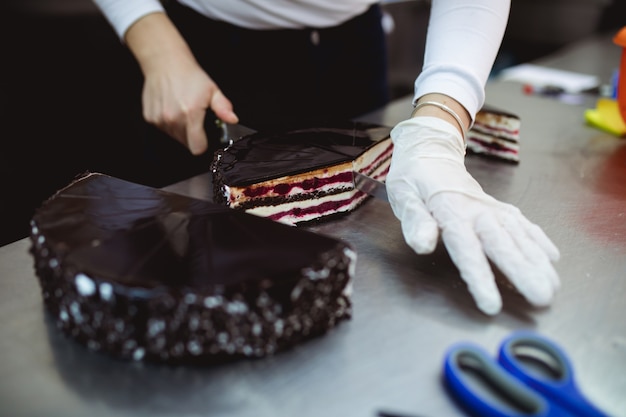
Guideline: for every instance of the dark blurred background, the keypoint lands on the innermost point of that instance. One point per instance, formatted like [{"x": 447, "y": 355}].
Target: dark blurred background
[{"x": 70, "y": 91}]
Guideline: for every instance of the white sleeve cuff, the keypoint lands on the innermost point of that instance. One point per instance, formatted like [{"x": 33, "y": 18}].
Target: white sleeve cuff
[
  {"x": 463, "y": 39},
  {"x": 121, "y": 14}
]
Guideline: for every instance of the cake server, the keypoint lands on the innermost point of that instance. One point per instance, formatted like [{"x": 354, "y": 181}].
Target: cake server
[{"x": 370, "y": 186}]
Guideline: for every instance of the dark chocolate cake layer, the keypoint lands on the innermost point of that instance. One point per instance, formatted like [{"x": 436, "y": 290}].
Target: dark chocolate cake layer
[
  {"x": 498, "y": 111},
  {"x": 145, "y": 274},
  {"x": 267, "y": 155}
]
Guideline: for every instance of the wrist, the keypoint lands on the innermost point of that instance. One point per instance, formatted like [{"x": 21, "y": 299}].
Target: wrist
[
  {"x": 154, "y": 41},
  {"x": 428, "y": 136},
  {"x": 443, "y": 107}
]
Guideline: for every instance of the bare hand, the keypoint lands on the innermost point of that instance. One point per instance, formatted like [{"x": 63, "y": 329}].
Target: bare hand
[
  {"x": 177, "y": 92},
  {"x": 175, "y": 99}
]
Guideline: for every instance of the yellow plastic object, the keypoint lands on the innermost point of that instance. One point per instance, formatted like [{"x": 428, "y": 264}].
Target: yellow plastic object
[
  {"x": 607, "y": 116},
  {"x": 620, "y": 40}
]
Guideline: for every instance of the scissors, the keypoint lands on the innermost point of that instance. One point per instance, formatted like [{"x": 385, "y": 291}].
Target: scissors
[{"x": 532, "y": 376}]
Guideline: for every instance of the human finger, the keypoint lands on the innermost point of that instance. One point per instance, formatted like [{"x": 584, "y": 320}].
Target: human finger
[
  {"x": 196, "y": 138},
  {"x": 465, "y": 250},
  {"x": 223, "y": 108},
  {"x": 419, "y": 229},
  {"x": 526, "y": 267}
]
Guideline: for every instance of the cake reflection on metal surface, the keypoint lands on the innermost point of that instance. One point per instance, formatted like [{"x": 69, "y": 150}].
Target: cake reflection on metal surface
[{"x": 144, "y": 274}]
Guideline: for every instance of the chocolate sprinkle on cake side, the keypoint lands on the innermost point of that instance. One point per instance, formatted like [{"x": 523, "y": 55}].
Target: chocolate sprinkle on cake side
[{"x": 144, "y": 274}]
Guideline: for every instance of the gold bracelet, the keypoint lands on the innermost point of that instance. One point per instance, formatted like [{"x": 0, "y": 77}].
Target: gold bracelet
[{"x": 447, "y": 110}]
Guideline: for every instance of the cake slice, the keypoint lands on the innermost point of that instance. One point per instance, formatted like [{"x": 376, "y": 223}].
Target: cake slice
[
  {"x": 495, "y": 133},
  {"x": 144, "y": 274},
  {"x": 301, "y": 175}
]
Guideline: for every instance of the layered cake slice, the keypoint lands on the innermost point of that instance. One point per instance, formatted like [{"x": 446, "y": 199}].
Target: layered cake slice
[
  {"x": 301, "y": 175},
  {"x": 495, "y": 133},
  {"x": 144, "y": 274}
]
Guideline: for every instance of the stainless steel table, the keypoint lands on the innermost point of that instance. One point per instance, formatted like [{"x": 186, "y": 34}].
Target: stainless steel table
[{"x": 407, "y": 309}]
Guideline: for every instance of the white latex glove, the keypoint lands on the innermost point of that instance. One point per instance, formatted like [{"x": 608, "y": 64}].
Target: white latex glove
[{"x": 431, "y": 191}]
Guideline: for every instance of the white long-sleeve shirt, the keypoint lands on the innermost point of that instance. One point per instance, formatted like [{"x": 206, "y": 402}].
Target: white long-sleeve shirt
[{"x": 462, "y": 42}]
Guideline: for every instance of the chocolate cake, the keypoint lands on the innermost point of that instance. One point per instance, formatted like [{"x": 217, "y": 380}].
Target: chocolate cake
[
  {"x": 301, "y": 175},
  {"x": 145, "y": 274},
  {"x": 495, "y": 134}
]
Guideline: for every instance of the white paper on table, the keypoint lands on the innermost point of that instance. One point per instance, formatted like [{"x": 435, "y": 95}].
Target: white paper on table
[{"x": 538, "y": 76}]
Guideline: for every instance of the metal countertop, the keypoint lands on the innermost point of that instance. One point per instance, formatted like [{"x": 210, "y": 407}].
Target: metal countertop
[{"x": 407, "y": 309}]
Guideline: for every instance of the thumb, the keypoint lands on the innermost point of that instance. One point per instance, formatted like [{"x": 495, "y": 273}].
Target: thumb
[{"x": 419, "y": 228}]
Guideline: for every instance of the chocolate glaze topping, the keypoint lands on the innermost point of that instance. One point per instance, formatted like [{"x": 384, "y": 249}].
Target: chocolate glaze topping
[
  {"x": 145, "y": 238},
  {"x": 266, "y": 155}
]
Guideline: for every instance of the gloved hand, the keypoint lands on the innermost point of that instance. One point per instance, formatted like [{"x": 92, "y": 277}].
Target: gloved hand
[{"x": 430, "y": 191}]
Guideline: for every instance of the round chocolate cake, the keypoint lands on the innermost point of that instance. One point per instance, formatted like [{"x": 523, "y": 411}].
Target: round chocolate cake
[{"x": 144, "y": 274}]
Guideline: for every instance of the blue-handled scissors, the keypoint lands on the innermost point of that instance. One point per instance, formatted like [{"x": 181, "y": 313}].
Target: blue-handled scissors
[{"x": 513, "y": 385}]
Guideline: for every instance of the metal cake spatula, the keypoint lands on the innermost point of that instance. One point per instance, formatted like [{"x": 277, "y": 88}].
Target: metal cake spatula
[{"x": 370, "y": 186}]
